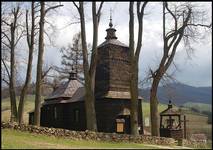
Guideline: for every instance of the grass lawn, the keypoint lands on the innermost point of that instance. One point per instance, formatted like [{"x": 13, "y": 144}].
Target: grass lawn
[{"x": 24, "y": 140}]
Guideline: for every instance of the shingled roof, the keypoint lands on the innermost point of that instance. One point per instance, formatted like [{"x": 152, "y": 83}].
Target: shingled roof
[
  {"x": 115, "y": 95},
  {"x": 77, "y": 96},
  {"x": 111, "y": 37},
  {"x": 65, "y": 90},
  {"x": 170, "y": 111},
  {"x": 113, "y": 42}
]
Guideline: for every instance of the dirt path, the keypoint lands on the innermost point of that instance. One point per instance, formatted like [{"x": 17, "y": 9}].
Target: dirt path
[{"x": 169, "y": 147}]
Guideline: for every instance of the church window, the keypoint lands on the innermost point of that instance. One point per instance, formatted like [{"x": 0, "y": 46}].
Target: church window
[
  {"x": 76, "y": 115},
  {"x": 55, "y": 113}
]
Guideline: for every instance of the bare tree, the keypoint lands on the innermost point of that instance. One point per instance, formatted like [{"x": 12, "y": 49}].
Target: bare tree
[
  {"x": 185, "y": 19},
  {"x": 12, "y": 32},
  {"x": 89, "y": 70},
  {"x": 43, "y": 12},
  {"x": 30, "y": 43},
  {"x": 134, "y": 58}
]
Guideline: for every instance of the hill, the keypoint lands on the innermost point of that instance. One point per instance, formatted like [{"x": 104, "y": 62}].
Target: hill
[{"x": 181, "y": 94}]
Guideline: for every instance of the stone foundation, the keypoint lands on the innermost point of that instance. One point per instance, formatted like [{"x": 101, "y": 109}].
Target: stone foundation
[{"x": 89, "y": 135}]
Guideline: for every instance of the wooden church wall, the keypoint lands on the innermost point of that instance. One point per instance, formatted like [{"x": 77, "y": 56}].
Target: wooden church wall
[
  {"x": 106, "y": 112},
  {"x": 63, "y": 116},
  {"x": 112, "y": 71}
]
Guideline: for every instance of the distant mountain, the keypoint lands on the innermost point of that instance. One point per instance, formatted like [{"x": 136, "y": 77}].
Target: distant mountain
[{"x": 181, "y": 93}]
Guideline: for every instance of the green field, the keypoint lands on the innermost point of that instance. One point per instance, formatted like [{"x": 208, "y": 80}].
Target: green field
[
  {"x": 24, "y": 140},
  {"x": 146, "y": 108},
  {"x": 199, "y": 106}
]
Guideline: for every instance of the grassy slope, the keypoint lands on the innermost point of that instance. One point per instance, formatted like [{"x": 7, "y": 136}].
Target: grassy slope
[
  {"x": 146, "y": 108},
  {"x": 13, "y": 138},
  {"x": 5, "y": 107},
  {"x": 199, "y": 106}
]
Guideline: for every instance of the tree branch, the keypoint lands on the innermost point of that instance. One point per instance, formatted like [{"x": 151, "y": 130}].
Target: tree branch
[
  {"x": 201, "y": 25},
  {"x": 5, "y": 35},
  {"x": 6, "y": 68},
  {"x": 69, "y": 25},
  {"x": 50, "y": 40},
  {"x": 5, "y": 22},
  {"x": 53, "y": 7},
  {"x": 140, "y": 32},
  {"x": 46, "y": 72},
  {"x": 99, "y": 9},
  {"x": 171, "y": 13},
  {"x": 21, "y": 35},
  {"x": 76, "y": 6},
  {"x": 5, "y": 44},
  {"x": 27, "y": 29},
  {"x": 6, "y": 81}
]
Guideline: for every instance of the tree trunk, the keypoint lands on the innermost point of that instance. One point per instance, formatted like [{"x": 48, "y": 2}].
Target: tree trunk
[
  {"x": 25, "y": 88},
  {"x": 90, "y": 106},
  {"x": 12, "y": 75},
  {"x": 13, "y": 116},
  {"x": 134, "y": 98},
  {"x": 154, "y": 108},
  {"x": 29, "y": 68},
  {"x": 39, "y": 67},
  {"x": 89, "y": 92}
]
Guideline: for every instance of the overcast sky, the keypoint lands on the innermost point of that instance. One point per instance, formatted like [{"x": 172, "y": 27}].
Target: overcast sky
[{"x": 196, "y": 71}]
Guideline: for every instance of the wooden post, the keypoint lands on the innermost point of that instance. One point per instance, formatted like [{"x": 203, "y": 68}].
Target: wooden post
[
  {"x": 170, "y": 122},
  {"x": 179, "y": 121},
  {"x": 184, "y": 124}
]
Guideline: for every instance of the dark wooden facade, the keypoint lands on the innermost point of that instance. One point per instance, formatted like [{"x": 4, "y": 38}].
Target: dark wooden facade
[
  {"x": 65, "y": 108},
  {"x": 107, "y": 111},
  {"x": 64, "y": 115}
]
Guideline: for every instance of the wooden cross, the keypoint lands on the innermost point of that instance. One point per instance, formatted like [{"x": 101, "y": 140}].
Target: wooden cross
[
  {"x": 110, "y": 22},
  {"x": 110, "y": 14}
]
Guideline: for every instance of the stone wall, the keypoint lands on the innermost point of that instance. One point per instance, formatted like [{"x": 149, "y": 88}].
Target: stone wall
[
  {"x": 89, "y": 135},
  {"x": 194, "y": 144}
]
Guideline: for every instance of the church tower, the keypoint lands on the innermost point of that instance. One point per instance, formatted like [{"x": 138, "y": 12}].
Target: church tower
[{"x": 112, "y": 70}]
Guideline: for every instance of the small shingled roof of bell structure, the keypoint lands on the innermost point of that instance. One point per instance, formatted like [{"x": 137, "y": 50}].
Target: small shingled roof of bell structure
[{"x": 170, "y": 110}]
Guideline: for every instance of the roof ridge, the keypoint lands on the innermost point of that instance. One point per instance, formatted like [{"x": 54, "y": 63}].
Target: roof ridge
[{"x": 114, "y": 42}]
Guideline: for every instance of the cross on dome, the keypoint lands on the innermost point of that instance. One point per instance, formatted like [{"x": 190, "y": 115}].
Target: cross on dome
[{"x": 110, "y": 22}]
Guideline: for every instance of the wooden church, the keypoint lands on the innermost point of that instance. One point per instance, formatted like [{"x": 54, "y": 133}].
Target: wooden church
[{"x": 65, "y": 108}]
